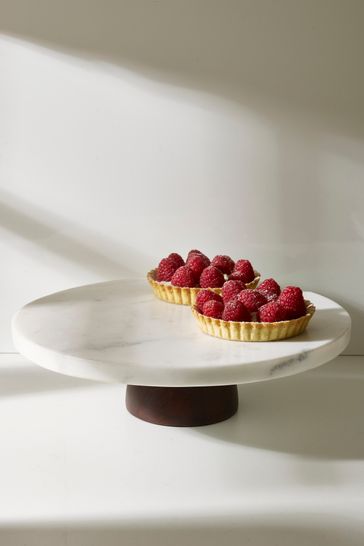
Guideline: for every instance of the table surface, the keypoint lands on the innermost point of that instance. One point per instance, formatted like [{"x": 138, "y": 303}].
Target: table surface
[
  {"x": 119, "y": 332},
  {"x": 78, "y": 469}
]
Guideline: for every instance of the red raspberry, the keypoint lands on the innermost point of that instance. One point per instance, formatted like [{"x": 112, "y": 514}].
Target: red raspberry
[
  {"x": 206, "y": 295},
  {"x": 245, "y": 268},
  {"x": 236, "y": 311},
  {"x": 291, "y": 299},
  {"x": 177, "y": 259},
  {"x": 271, "y": 312},
  {"x": 197, "y": 262},
  {"x": 268, "y": 294},
  {"x": 231, "y": 289},
  {"x": 166, "y": 269},
  {"x": 270, "y": 285},
  {"x": 194, "y": 251},
  {"x": 184, "y": 277},
  {"x": 236, "y": 276},
  {"x": 213, "y": 308},
  {"x": 252, "y": 299},
  {"x": 224, "y": 263},
  {"x": 211, "y": 277}
]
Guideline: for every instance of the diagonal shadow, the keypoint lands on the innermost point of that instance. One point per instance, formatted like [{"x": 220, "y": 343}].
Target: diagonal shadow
[
  {"x": 51, "y": 236},
  {"x": 249, "y": 52}
]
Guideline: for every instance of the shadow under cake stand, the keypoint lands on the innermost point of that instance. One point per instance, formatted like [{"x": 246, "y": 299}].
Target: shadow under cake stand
[{"x": 118, "y": 331}]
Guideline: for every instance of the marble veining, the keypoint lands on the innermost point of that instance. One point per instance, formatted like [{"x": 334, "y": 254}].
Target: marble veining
[
  {"x": 289, "y": 362},
  {"x": 118, "y": 331}
]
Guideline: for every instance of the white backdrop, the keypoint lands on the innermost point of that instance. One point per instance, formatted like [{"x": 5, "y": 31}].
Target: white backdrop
[{"x": 131, "y": 129}]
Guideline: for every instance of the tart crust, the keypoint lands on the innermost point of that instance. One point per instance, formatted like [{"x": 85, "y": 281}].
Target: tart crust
[
  {"x": 183, "y": 296},
  {"x": 254, "y": 331}
]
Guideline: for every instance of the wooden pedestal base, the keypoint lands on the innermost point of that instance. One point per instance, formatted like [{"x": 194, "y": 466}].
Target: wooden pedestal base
[{"x": 182, "y": 406}]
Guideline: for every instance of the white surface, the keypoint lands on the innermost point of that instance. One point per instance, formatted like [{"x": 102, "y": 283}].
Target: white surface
[
  {"x": 78, "y": 470},
  {"x": 118, "y": 331},
  {"x": 251, "y": 114}
]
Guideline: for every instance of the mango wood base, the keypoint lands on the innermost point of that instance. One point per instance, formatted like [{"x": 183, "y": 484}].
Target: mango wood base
[{"x": 182, "y": 406}]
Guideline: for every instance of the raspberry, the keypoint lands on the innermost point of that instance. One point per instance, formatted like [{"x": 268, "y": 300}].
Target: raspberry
[
  {"x": 268, "y": 294},
  {"x": 291, "y": 299},
  {"x": 184, "y": 277},
  {"x": 224, "y": 263},
  {"x": 213, "y": 308},
  {"x": 166, "y": 269},
  {"x": 271, "y": 312},
  {"x": 245, "y": 268},
  {"x": 252, "y": 299},
  {"x": 270, "y": 285},
  {"x": 177, "y": 259},
  {"x": 197, "y": 262},
  {"x": 236, "y": 311},
  {"x": 211, "y": 277},
  {"x": 206, "y": 295},
  {"x": 236, "y": 276},
  {"x": 231, "y": 289},
  {"x": 195, "y": 251}
]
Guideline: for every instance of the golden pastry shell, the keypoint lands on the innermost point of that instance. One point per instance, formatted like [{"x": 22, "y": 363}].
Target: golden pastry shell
[
  {"x": 254, "y": 331},
  {"x": 183, "y": 295}
]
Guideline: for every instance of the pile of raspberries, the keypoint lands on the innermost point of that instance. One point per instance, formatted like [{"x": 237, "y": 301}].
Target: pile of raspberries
[
  {"x": 265, "y": 304},
  {"x": 199, "y": 271}
]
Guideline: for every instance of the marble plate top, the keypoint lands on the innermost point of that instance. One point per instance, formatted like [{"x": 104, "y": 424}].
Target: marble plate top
[{"x": 118, "y": 331}]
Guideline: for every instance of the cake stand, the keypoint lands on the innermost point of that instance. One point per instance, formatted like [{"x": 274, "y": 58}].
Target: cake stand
[{"x": 118, "y": 331}]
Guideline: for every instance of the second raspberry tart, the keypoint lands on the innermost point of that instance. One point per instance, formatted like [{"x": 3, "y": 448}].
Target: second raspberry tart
[{"x": 264, "y": 314}]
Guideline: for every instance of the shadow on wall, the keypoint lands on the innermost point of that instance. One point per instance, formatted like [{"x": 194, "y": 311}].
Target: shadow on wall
[
  {"x": 57, "y": 235},
  {"x": 287, "y": 530},
  {"x": 298, "y": 64},
  {"x": 296, "y": 54}
]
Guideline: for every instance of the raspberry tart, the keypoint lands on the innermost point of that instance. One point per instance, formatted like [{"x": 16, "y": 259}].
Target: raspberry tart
[
  {"x": 254, "y": 315},
  {"x": 176, "y": 280}
]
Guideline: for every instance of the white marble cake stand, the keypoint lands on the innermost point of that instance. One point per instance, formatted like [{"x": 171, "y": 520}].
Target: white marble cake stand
[{"x": 119, "y": 332}]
